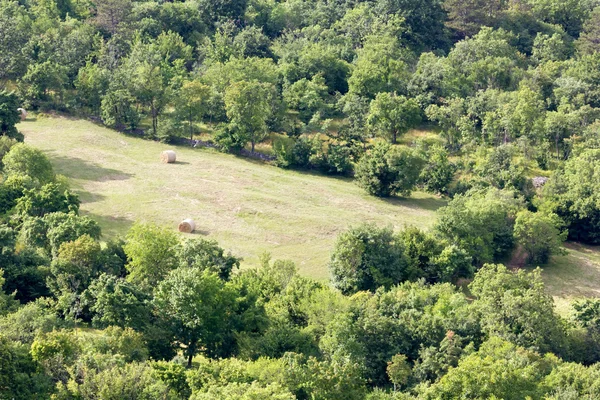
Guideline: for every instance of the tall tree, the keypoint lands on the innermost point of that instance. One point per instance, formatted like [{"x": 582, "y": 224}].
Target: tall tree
[
  {"x": 247, "y": 106},
  {"x": 151, "y": 253},
  {"x": 391, "y": 115},
  {"x": 197, "y": 304},
  {"x": 191, "y": 102},
  {"x": 9, "y": 116},
  {"x": 111, "y": 13}
]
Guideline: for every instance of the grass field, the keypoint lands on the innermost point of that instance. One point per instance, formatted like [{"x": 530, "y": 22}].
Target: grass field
[
  {"x": 247, "y": 206},
  {"x": 573, "y": 276}
]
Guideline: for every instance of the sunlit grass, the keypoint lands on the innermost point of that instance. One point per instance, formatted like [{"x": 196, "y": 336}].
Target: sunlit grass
[{"x": 247, "y": 206}]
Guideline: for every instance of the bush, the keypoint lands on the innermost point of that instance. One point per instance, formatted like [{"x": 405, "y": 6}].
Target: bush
[
  {"x": 438, "y": 171},
  {"x": 227, "y": 140},
  {"x": 539, "y": 234},
  {"x": 481, "y": 222},
  {"x": 6, "y": 143},
  {"x": 336, "y": 160},
  {"x": 388, "y": 170},
  {"x": 292, "y": 153},
  {"x": 169, "y": 131},
  {"x": 26, "y": 160},
  {"x": 367, "y": 257}
]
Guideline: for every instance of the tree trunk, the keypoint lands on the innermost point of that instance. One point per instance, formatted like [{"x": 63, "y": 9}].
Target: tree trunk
[
  {"x": 394, "y": 135},
  {"x": 252, "y": 145},
  {"x": 191, "y": 130},
  {"x": 191, "y": 350}
]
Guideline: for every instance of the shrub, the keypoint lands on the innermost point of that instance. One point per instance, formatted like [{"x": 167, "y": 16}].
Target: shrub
[
  {"x": 539, "y": 234},
  {"x": 335, "y": 160},
  {"x": 388, "y": 170},
  {"x": 438, "y": 171},
  {"x": 367, "y": 257},
  {"x": 26, "y": 160}
]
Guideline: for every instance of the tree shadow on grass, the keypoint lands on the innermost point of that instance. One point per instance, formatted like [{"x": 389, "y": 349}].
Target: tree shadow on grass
[
  {"x": 199, "y": 232},
  {"x": 428, "y": 203},
  {"x": 111, "y": 226},
  {"x": 78, "y": 168},
  {"x": 89, "y": 197}
]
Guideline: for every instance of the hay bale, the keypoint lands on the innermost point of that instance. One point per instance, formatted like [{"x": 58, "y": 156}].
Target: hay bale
[
  {"x": 187, "y": 226},
  {"x": 168, "y": 156},
  {"x": 23, "y": 113}
]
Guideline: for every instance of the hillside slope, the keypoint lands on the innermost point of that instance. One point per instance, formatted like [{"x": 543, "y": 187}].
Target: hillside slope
[{"x": 247, "y": 206}]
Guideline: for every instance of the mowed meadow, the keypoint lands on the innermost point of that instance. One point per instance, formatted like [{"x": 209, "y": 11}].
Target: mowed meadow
[{"x": 249, "y": 207}]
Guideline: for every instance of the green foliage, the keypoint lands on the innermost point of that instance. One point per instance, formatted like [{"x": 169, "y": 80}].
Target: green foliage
[
  {"x": 113, "y": 301},
  {"x": 540, "y": 235},
  {"x": 334, "y": 159},
  {"x": 399, "y": 370},
  {"x": 29, "y": 321},
  {"x": 514, "y": 306},
  {"x": 206, "y": 255},
  {"x": 191, "y": 102},
  {"x": 502, "y": 81},
  {"x": 480, "y": 222},
  {"x": 197, "y": 304},
  {"x": 245, "y": 391},
  {"x": 307, "y": 97},
  {"x": 433, "y": 259},
  {"x": 438, "y": 172},
  {"x": 19, "y": 376},
  {"x": 367, "y": 257},
  {"x": 570, "y": 194},
  {"x": 247, "y": 106},
  {"x": 9, "y": 115},
  {"x": 399, "y": 321},
  {"x": 25, "y": 160},
  {"x": 151, "y": 252},
  {"x": 380, "y": 66},
  {"x": 509, "y": 372},
  {"x": 293, "y": 153},
  {"x": 391, "y": 115},
  {"x": 54, "y": 229},
  {"x": 388, "y": 170},
  {"x": 50, "y": 198},
  {"x": 133, "y": 380}
]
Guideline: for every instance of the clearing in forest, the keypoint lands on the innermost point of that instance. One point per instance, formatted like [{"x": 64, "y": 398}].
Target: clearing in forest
[{"x": 247, "y": 206}]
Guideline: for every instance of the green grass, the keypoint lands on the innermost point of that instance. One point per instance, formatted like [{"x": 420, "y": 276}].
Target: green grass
[
  {"x": 247, "y": 206},
  {"x": 573, "y": 276}
]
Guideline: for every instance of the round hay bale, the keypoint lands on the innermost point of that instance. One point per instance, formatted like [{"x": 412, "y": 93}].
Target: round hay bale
[
  {"x": 23, "y": 113},
  {"x": 187, "y": 226},
  {"x": 168, "y": 156}
]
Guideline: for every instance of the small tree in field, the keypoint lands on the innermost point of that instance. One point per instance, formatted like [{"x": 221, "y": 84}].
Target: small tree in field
[
  {"x": 191, "y": 101},
  {"x": 388, "y": 170},
  {"x": 391, "y": 115},
  {"x": 247, "y": 106},
  {"x": 539, "y": 234}
]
